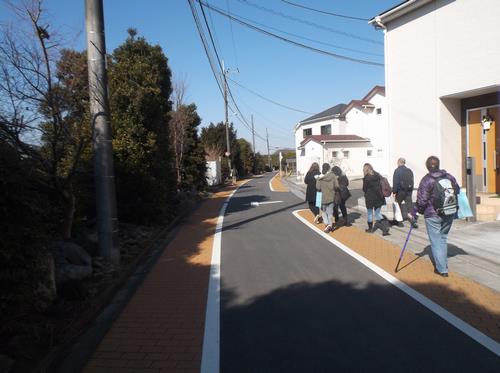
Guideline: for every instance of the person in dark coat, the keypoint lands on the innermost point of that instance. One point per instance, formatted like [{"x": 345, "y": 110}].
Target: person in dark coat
[
  {"x": 342, "y": 194},
  {"x": 374, "y": 199},
  {"x": 402, "y": 188},
  {"x": 311, "y": 191}
]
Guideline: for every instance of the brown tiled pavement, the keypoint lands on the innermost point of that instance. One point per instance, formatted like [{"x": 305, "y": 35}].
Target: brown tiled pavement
[
  {"x": 475, "y": 304},
  {"x": 161, "y": 329},
  {"x": 278, "y": 186}
]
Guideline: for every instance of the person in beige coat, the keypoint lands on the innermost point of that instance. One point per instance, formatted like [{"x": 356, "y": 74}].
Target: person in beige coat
[{"x": 327, "y": 184}]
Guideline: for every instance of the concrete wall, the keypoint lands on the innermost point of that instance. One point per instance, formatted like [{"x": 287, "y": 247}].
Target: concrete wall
[{"x": 444, "y": 48}]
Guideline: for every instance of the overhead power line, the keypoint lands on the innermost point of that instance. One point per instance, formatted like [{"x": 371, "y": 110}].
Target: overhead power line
[
  {"x": 205, "y": 44},
  {"x": 212, "y": 64},
  {"x": 266, "y": 119},
  {"x": 242, "y": 117},
  {"x": 268, "y": 99},
  {"x": 232, "y": 35},
  {"x": 212, "y": 39},
  {"x": 326, "y": 28},
  {"x": 321, "y": 51},
  {"x": 304, "y": 37},
  {"x": 325, "y": 12}
]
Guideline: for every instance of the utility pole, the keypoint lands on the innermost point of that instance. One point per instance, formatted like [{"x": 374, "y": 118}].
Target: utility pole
[
  {"x": 253, "y": 136},
  {"x": 228, "y": 145},
  {"x": 268, "y": 155},
  {"x": 107, "y": 221}
]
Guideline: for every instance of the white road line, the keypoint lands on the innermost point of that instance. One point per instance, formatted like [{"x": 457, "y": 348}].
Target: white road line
[
  {"x": 254, "y": 204},
  {"x": 211, "y": 339},
  {"x": 461, "y": 325}
]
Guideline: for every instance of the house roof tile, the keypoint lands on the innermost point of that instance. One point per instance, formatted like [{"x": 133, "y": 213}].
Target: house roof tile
[{"x": 331, "y": 112}]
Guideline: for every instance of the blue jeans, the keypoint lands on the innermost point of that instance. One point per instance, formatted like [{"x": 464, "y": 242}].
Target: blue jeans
[
  {"x": 437, "y": 230},
  {"x": 327, "y": 213},
  {"x": 378, "y": 214}
]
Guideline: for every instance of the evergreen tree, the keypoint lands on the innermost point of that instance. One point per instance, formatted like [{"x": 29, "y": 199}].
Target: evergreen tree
[
  {"x": 244, "y": 159},
  {"x": 193, "y": 161},
  {"x": 140, "y": 85}
]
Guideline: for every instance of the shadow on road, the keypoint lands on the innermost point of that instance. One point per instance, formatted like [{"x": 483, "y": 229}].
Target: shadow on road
[
  {"x": 241, "y": 208},
  {"x": 334, "y": 326}
]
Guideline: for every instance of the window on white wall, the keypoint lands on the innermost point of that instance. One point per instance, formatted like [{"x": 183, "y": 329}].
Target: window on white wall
[
  {"x": 369, "y": 153},
  {"x": 379, "y": 110},
  {"x": 335, "y": 154},
  {"x": 307, "y": 132},
  {"x": 346, "y": 153},
  {"x": 326, "y": 130}
]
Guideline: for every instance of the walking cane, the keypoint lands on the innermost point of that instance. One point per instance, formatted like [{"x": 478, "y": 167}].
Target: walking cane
[{"x": 404, "y": 247}]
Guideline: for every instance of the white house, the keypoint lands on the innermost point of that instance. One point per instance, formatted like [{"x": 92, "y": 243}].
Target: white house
[
  {"x": 345, "y": 135},
  {"x": 442, "y": 76}
]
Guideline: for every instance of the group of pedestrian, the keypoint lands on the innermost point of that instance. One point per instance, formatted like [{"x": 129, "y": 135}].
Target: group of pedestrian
[
  {"x": 436, "y": 200},
  {"x": 333, "y": 185}
]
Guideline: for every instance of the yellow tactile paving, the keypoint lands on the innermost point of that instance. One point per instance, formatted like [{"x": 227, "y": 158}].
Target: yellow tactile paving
[
  {"x": 278, "y": 184},
  {"x": 475, "y": 304}
]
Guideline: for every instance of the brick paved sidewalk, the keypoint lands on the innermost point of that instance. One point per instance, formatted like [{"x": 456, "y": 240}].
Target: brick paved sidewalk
[
  {"x": 475, "y": 304},
  {"x": 277, "y": 184},
  {"x": 161, "y": 329}
]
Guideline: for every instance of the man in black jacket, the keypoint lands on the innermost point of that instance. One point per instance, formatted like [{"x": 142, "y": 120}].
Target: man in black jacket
[{"x": 402, "y": 188}]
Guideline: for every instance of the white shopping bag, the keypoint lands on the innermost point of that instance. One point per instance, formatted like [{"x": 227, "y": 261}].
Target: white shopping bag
[{"x": 397, "y": 212}]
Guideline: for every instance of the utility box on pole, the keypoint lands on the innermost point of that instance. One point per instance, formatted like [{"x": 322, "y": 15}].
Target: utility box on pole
[
  {"x": 107, "y": 221},
  {"x": 471, "y": 185}
]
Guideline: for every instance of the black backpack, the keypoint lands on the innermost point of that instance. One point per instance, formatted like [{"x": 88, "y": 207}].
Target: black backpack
[
  {"x": 444, "y": 198},
  {"x": 406, "y": 180}
]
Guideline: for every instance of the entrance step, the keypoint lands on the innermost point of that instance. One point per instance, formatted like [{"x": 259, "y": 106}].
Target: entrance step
[{"x": 489, "y": 208}]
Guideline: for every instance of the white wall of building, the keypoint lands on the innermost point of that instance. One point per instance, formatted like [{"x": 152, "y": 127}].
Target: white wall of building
[
  {"x": 443, "y": 49},
  {"x": 368, "y": 124},
  {"x": 352, "y": 165},
  {"x": 365, "y": 123},
  {"x": 304, "y": 162}
]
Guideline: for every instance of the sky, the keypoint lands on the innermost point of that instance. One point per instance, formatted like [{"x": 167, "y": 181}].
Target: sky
[{"x": 292, "y": 76}]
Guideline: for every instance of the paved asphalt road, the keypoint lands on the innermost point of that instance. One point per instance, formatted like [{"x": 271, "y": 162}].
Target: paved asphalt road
[{"x": 292, "y": 302}]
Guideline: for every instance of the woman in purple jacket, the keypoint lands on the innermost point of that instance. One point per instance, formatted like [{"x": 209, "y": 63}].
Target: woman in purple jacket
[{"x": 438, "y": 220}]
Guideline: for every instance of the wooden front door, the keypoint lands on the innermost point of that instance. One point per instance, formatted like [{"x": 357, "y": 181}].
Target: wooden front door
[
  {"x": 475, "y": 145},
  {"x": 484, "y": 146},
  {"x": 493, "y": 149}
]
